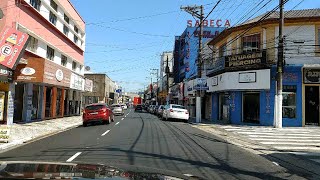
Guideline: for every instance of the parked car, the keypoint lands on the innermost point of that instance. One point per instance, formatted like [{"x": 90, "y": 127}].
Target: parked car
[
  {"x": 117, "y": 109},
  {"x": 155, "y": 110},
  {"x": 98, "y": 112},
  {"x": 175, "y": 111},
  {"x": 125, "y": 107},
  {"x": 150, "y": 108},
  {"x": 160, "y": 111},
  {"x": 138, "y": 108}
]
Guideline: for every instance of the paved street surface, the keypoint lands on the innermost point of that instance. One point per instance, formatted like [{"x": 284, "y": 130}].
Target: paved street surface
[{"x": 141, "y": 139}]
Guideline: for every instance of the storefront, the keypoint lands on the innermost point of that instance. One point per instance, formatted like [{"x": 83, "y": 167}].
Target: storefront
[
  {"x": 40, "y": 89},
  {"x": 190, "y": 100},
  {"x": 311, "y": 94},
  {"x": 75, "y": 94},
  {"x": 6, "y": 95}
]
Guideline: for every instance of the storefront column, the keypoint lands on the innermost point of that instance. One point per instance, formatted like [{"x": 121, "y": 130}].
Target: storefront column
[
  {"x": 44, "y": 95},
  {"x": 27, "y": 102},
  {"x": 53, "y": 109},
  {"x": 62, "y": 102},
  {"x": 10, "y": 104},
  {"x": 41, "y": 102}
]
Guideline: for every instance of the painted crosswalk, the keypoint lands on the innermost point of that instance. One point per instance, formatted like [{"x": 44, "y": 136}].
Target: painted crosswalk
[{"x": 292, "y": 139}]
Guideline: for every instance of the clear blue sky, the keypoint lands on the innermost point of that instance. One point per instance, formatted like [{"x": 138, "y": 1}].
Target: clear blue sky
[{"x": 124, "y": 38}]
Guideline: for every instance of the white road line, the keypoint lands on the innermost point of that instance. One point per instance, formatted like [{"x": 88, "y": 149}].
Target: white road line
[
  {"x": 117, "y": 123},
  {"x": 122, "y": 119},
  {"x": 275, "y": 163},
  {"x": 73, "y": 157},
  {"x": 105, "y": 133}
]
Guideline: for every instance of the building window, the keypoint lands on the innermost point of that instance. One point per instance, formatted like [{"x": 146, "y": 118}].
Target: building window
[
  {"x": 64, "y": 60},
  {"x": 75, "y": 39},
  {"x": 76, "y": 29},
  {"x": 54, "y": 5},
  {"x": 251, "y": 43},
  {"x": 289, "y": 101},
  {"x": 80, "y": 67},
  {"x": 36, "y": 4},
  {"x": 66, "y": 18},
  {"x": 33, "y": 44},
  {"x": 223, "y": 50},
  {"x": 74, "y": 65},
  {"x": 52, "y": 18},
  {"x": 50, "y": 53},
  {"x": 65, "y": 30}
]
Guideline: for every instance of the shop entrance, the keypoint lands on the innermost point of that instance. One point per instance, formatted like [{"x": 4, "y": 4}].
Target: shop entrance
[
  {"x": 251, "y": 107},
  {"x": 48, "y": 102},
  {"x": 312, "y": 105},
  {"x": 223, "y": 111}
]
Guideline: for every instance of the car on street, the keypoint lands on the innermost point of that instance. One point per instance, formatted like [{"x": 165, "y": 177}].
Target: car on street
[
  {"x": 175, "y": 111},
  {"x": 160, "y": 111},
  {"x": 125, "y": 107},
  {"x": 138, "y": 108},
  {"x": 155, "y": 110},
  {"x": 98, "y": 112},
  {"x": 150, "y": 108},
  {"x": 117, "y": 109}
]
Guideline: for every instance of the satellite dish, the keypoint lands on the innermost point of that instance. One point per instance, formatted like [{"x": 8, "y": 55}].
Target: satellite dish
[
  {"x": 1, "y": 14},
  {"x": 87, "y": 68}
]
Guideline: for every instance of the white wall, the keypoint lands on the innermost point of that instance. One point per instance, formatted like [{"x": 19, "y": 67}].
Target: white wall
[
  {"x": 299, "y": 44},
  {"x": 230, "y": 81}
]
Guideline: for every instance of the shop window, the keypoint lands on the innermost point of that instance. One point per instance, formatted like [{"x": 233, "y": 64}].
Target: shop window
[
  {"x": 50, "y": 53},
  {"x": 223, "y": 50},
  {"x": 289, "y": 101},
  {"x": 65, "y": 30},
  {"x": 33, "y": 44},
  {"x": 251, "y": 43},
  {"x": 52, "y": 18},
  {"x": 66, "y": 18},
  {"x": 64, "y": 60},
  {"x": 76, "y": 29},
  {"x": 74, "y": 65},
  {"x": 59, "y": 97},
  {"x": 36, "y": 4},
  {"x": 54, "y": 5}
]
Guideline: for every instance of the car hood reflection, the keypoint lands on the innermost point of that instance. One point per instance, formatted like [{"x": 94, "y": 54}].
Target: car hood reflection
[{"x": 50, "y": 170}]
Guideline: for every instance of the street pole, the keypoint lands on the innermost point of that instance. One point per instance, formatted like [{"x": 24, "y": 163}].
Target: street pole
[
  {"x": 278, "y": 97},
  {"x": 167, "y": 73},
  {"x": 157, "y": 93},
  {"x": 194, "y": 12}
]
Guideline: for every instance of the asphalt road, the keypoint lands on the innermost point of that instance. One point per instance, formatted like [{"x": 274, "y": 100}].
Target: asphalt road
[{"x": 141, "y": 139}]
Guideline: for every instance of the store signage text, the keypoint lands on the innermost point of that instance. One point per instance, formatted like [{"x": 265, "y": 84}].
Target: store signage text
[
  {"x": 311, "y": 75},
  {"x": 12, "y": 43},
  {"x": 206, "y": 34},
  {"x": 248, "y": 77},
  {"x": 4, "y": 134},
  {"x": 201, "y": 84},
  {"x": 59, "y": 75},
  {"x": 209, "y": 23},
  {"x": 246, "y": 60}
]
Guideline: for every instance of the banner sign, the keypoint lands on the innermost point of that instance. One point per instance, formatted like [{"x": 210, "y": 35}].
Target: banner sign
[
  {"x": 201, "y": 84},
  {"x": 4, "y": 133},
  {"x": 12, "y": 44}
]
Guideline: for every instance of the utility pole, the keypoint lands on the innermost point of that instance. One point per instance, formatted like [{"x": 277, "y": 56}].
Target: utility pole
[
  {"x": 157, "y": 93},
  {"x": 194, "y": 11},
  {"x": 167, "y": 73},
  {"x": 278, "y": 98}
]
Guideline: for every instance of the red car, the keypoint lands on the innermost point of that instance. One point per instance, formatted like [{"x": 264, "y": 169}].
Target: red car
[{"x": 97, "y": 113}]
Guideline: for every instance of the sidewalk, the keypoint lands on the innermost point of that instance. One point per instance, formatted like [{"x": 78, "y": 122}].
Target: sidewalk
[
  {"x": 297, "y": 147},
  {"x": 22, "y": 133}
]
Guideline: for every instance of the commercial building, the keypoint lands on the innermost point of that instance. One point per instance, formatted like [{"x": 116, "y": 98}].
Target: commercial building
[
  {"x": 243, "y": 72},
  {"x": 103, "y": 90},
  {"x": 49, "y": 77},
  {"x": 185, "y": 66}
]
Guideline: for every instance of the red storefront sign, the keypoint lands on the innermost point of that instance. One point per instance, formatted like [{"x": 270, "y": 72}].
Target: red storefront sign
[{"x": 12, "y": 43}]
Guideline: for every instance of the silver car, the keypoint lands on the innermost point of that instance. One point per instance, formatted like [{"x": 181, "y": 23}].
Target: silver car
[{"x": 117, "y": 109}]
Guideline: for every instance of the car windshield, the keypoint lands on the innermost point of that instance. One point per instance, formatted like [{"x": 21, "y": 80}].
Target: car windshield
[
  {"x": 220, "y": 89},
  {"x": 94, "y": 107}
]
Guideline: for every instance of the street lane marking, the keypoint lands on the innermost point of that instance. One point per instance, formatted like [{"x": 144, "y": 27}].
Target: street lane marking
[
  {"x": 122, "y": 119},
  {"x": 105, "y": 133},
  {"x": 117, "y": 123},
  {"x": 275, "y": 163},
  {"x": 73, "y": 157}
]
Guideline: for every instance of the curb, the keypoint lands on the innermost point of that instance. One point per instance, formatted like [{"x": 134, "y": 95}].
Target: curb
[
  {"x": 285, "y": 160},
  {"x": 15, "y": 144}
]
